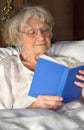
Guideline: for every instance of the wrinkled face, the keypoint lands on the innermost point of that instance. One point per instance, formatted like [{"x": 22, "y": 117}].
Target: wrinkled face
[{"x": 35, "y": 37}]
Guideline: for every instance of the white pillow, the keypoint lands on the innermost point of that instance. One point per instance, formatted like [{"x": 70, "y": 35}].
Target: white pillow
[
  {"x": 8, "y": 51},
  {"x": 69, "y": 48}
]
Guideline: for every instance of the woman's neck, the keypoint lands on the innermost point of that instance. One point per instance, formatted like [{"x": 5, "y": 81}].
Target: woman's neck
[{"x": 28, "y": 62}]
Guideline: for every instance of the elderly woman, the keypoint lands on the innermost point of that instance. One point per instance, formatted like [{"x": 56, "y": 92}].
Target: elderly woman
[{"x": 31, "y": 30}]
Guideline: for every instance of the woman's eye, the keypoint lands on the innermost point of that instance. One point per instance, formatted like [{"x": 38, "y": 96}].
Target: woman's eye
[
  {"x": 45, "y": 30},
  {"x": 32, "y": 32}
]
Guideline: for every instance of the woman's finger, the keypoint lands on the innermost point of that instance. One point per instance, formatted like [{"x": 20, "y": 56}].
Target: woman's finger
[{"x": 80, "y": 84}]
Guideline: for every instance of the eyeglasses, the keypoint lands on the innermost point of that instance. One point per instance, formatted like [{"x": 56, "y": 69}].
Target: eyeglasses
[{"x": 34, "y": 32}]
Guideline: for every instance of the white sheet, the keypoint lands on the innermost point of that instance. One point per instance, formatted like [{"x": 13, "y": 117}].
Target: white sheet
[{"x": 70, "y": 117}]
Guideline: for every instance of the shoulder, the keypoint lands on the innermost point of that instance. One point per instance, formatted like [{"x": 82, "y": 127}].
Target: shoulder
[
  {"x": 8, "y": 51},
  {"x": 9, "y": 59}
]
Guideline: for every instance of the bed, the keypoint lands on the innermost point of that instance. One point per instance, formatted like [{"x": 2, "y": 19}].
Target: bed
[
  {"x": 38, "y": 119},
  {"x": 69, "y": 117}
]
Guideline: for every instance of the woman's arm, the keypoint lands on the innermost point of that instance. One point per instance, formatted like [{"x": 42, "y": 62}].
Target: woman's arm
[{"x": 47, "y": 102}]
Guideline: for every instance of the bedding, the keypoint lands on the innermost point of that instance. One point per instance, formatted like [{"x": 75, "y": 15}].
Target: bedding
[
  {"x": 69, "y": 117},
  {"x": 69, "y": 48},
  {"x": 8, "y": 51}
]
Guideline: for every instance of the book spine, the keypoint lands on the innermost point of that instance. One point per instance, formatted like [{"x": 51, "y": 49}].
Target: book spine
[{"x": 62, "y": 82}]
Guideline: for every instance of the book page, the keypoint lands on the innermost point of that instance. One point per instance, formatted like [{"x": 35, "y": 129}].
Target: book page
[{"x": 69, "y": 62}]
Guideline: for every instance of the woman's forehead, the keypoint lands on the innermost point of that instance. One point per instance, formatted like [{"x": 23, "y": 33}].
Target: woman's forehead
[{"x": 35, "y": 21}]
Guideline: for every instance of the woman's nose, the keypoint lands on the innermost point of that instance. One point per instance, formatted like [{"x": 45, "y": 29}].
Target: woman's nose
[{"x": 40, "y": 34}]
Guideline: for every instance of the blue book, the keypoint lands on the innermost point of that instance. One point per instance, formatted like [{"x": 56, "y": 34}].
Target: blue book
[{"x": 53, "y": 78}]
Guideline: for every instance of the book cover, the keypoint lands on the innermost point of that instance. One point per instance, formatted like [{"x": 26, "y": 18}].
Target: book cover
[{"x": 52, "y": 78}]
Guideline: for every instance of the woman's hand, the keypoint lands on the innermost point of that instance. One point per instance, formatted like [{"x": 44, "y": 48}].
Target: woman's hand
[
  {"x": 47, "y": 102},
  {"x": 81, "y": 77}
]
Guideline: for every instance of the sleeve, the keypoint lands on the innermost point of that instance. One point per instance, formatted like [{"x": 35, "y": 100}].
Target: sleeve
[
  {"x": 14, "y": 84},
  {"x": 24, "y": 101}
]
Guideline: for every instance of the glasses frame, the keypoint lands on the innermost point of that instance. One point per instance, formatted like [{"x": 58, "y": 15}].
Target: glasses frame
[{"x": 45, "y": 32}]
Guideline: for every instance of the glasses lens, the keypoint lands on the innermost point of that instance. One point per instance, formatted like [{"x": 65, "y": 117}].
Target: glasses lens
[
  {"x": 32, "y": 32},
  {"x": 45, "y": 30}
]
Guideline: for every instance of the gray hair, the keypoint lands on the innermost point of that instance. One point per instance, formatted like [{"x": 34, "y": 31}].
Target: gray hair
[{"x": 20, "y": 19}]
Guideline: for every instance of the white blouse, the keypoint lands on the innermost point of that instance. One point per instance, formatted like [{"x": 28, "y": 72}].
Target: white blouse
[{"x": 15, "y": 80}]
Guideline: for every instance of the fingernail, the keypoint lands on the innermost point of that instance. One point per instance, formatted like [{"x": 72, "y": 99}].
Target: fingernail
[{"x": 61, "y": 98}]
